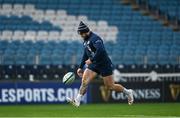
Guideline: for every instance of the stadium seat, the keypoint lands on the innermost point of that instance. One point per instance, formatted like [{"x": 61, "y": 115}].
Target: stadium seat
[
  {"x": 45, "y": 59},
  {"x": 45, "y": 32},
  {"x": 8, "y": 59}
]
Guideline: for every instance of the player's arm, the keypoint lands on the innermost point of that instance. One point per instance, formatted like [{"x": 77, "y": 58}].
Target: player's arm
[
  {"x": 98, "y": 44},
  {"x": 80, "y": 69},
  {"x": 84, "y": 58}
]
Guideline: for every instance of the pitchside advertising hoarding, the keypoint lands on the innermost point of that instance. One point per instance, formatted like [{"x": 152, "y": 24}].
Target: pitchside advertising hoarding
[
  {"x": 27, "y": 93},
  {"x": 143, "y": 92},
  {"x": 55, "y": 92}
]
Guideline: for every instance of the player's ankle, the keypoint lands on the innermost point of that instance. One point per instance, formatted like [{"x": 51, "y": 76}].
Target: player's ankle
[
  {"x": 126, "y": 91},
  {"x": 78, "y": 98}
]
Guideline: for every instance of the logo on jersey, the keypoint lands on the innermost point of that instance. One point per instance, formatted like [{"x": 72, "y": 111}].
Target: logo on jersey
[
  {"x": 89, "y": 48},
  {"x": 98, "y": 41},
  {"x": 86, "y": 44}
]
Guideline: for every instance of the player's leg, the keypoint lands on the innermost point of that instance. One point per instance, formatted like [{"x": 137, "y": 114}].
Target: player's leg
[
  {"x": 88, "y": 76},
  {"x": 110, "y": 84}
]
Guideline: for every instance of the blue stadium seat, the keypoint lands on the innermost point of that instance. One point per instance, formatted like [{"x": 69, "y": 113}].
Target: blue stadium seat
[
  {"x": 152, "y": 59},
  {"x": 46, "y": 51},
  {"x": 139, "y": 36},
  {"x": 128, "y": 57},
  {"x": 45, "y": 59},
  {"x": 10, "y": 51},
  {"x": 163, "y": 59},
  {"x": 57, "y": 59},
  {"x": 21, "y": 59},
  {"x": 9, "y": 59},
  {"x": 31, "y": 59},
  {"x": 22, "y": 51},
  {"x": 117, "y": 59}
]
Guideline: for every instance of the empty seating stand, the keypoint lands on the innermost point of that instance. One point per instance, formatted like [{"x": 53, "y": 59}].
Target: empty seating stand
[{"x": 44, "y": 32}]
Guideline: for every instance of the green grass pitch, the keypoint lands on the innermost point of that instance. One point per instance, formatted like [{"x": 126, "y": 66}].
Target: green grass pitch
[{"x": 93, "y": 110}]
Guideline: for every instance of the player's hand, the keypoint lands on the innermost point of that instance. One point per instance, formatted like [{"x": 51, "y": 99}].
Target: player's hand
[
  {"x": 88, "y": 62},
  {"x": 80, "y": 72}
]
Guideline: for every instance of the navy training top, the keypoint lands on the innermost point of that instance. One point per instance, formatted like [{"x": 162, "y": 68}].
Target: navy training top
[{"x": 95, "y": 51}]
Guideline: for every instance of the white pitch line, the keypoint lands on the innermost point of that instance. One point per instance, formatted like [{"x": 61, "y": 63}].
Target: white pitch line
[
  {"x": 120, "y": 116},
  {"x": 144, "y": 116}
]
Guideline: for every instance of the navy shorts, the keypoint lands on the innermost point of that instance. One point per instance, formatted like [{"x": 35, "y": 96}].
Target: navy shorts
[{"x": 103, "y": 70}]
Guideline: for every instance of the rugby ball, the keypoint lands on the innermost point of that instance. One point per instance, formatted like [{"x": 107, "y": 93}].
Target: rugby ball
[{"x": 69, "y": 78}]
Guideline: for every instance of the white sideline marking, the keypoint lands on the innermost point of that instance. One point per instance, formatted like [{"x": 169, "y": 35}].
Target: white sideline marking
[{"x": 143, "y": 116}]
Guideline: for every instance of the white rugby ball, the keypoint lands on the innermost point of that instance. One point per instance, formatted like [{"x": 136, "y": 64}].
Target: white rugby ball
[{"x": 69, "y": 78}]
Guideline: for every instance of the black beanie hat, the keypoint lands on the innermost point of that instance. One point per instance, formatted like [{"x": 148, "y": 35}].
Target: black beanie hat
[{"x": 82, "y": 28}]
